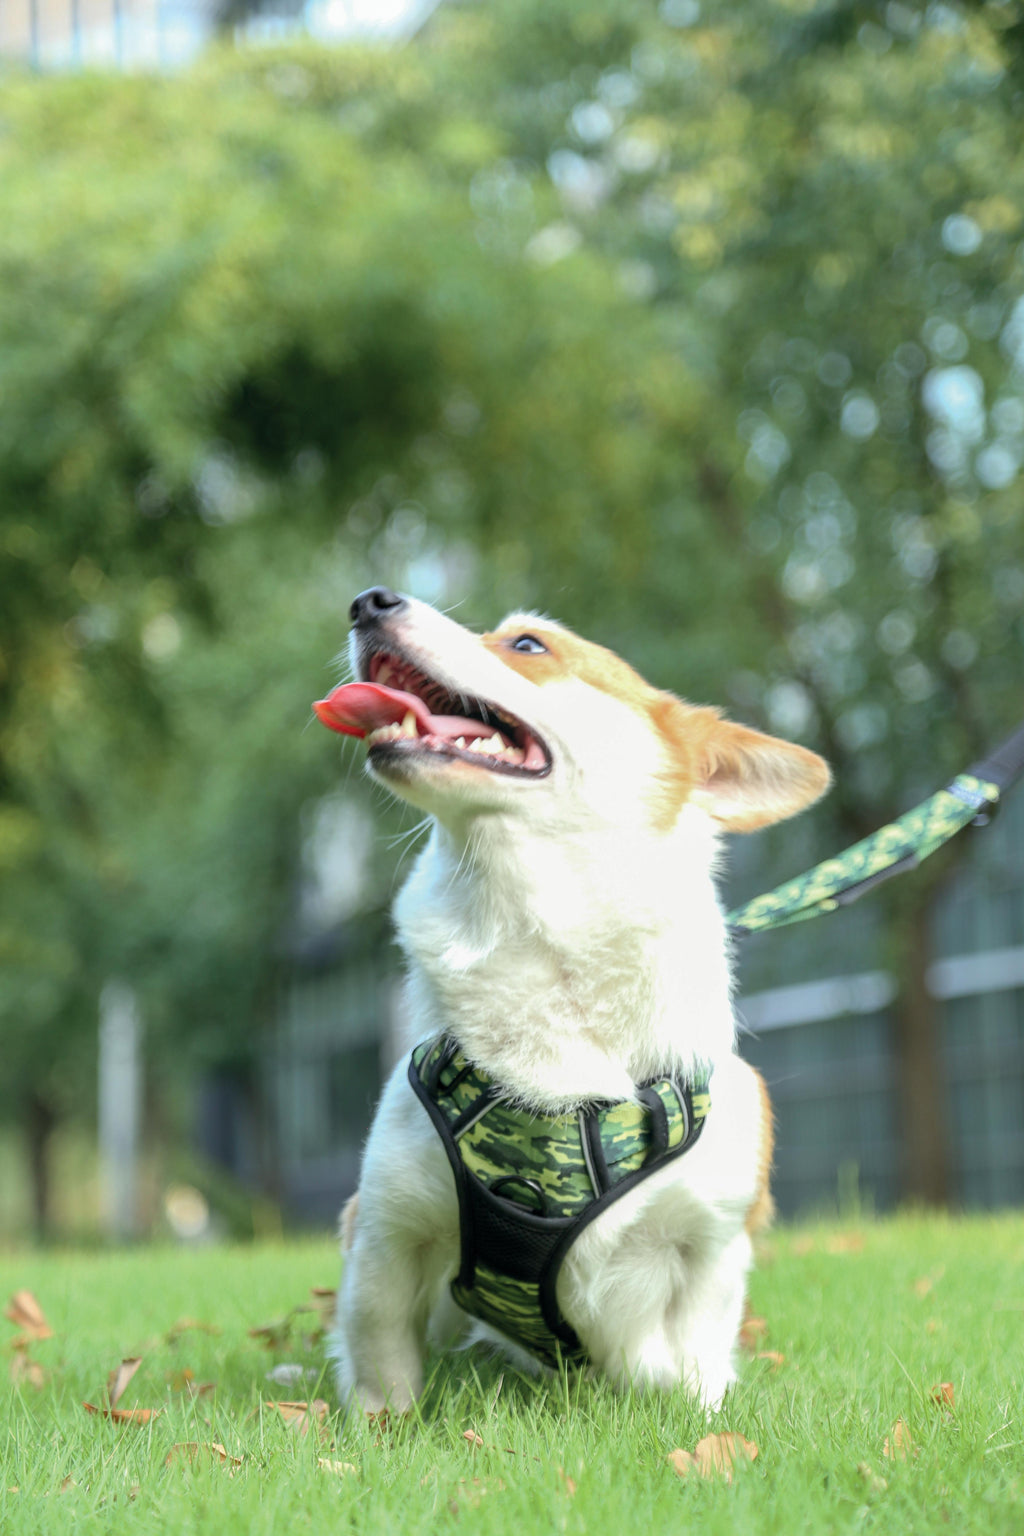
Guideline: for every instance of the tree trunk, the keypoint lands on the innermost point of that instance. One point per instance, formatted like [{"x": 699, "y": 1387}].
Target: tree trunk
[
  {"x": 922, "y": 1096},
  {"x": 38, "y": 1124}
]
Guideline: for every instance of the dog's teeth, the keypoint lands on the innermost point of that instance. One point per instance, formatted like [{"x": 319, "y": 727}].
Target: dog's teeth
[
  {"x": 460, "y": 741},
  {"x": 385, "y": 733},
  {"x": 409, "y": 724},
  {"x": 384, "y": 675}
]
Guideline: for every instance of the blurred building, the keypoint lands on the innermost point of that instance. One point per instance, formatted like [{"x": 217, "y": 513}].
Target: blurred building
[
  {"x": 822, "y": 1034},
  {"x": 339, "y": 1033},
  {"x": 68, "y": 34},
  {"x": 147, "y": 34},
  {"x": 816, "y": 1010}
]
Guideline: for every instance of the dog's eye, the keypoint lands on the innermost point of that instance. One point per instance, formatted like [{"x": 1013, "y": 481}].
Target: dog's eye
[{"x": 528, "y": 645}]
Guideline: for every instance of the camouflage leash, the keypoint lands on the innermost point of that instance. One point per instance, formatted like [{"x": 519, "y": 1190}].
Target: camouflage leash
[
  {"x": 971, "y": 799},
  {"x": 529, "y": 1183}
]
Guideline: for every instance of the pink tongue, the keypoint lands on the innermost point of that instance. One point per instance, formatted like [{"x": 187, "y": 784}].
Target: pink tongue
[{"x": 356, "y": 709}]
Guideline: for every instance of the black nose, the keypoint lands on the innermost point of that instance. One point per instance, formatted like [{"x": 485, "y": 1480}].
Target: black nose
[{"x": 375, "y": 603}]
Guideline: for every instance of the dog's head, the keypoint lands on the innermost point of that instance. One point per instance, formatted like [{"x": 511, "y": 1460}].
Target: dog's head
[{"x": 531, "y": 719}]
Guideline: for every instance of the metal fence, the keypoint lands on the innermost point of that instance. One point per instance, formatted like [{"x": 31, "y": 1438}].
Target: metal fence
[
  {"x": 821, "y": 1033},
  {"x": 323, "y": 1076},
  {"x": 825, "y": 1045}
]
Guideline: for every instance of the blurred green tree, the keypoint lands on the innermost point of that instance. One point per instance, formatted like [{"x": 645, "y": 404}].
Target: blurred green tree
[
  {"x": 699, "y": 327},
  {"x": 822, "y": 207},
  {"x": 240, "y": 355}
]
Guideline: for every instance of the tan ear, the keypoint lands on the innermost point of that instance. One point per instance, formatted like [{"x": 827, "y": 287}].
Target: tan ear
[{"x": 747, "y": 780}]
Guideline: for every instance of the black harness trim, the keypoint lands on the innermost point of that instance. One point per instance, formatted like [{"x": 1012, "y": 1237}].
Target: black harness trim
[{"x": 512, "y": 1241}]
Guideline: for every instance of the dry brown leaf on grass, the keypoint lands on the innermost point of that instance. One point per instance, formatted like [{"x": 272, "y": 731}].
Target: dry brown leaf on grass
[
  {"x": 474, "y": 1490},
  {"x": 753, "y": 1332},
  {"x": 124, "y": 1415},
  {"x": 568, "y": 1483},
  {"x": 277, "y": 1334},
  {"x": 190, "y": 1452},
  {"x": 876, "y": 1483},
  {"x": 25, "y": 1313},
  {"x": 476, "y": 1441},
  {"x": 337, "y": 1468},
  {"x": 300, "y": 1415},
  {"x": 189, "y": 1325},
  {"x": 383, "y": 1424},
  {"x": 925, "y": 1284},
  {"x": 845, "y": 1242},
  {"x": 944, "y": 1395},
  {"x": 119, "y": 1378},
  {"x": 182, "y": 1451},
  {"x": 26, "y": 1372},
  {"x": 273, "y": 1335},
  {"x": 899, "y": 1444},
  {"x": 714, "y": 1456},
  {"x": 185, "y": 1381},
  {"x": 325, "y": 1301},
  {"x": 382, "y": 1418},
  {"x": 773, "y": 1357}
]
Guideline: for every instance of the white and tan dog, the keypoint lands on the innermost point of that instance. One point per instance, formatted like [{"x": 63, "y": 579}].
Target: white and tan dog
[{"x": 562, "y": 923}]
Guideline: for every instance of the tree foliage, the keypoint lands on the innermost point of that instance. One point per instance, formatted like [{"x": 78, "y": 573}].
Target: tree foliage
[
  {"x": 244, "y": 358},
  {"x": 699, "y": 326}
]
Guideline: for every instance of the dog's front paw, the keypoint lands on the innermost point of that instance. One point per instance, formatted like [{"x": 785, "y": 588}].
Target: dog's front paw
[{"x": 378, "y": 1399}]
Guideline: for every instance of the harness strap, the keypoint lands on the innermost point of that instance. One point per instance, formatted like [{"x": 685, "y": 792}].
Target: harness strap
[{"x": 528, "y": 1184}]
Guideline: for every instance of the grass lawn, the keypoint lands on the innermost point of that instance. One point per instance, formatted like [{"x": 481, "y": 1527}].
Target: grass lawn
[{"x": 869, "y": 1319}]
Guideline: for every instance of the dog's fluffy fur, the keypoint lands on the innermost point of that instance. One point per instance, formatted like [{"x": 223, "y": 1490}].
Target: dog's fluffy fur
[{"x": 564, "y": 926}]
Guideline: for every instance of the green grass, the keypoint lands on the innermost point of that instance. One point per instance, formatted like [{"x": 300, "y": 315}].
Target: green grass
[{"x": 866, "y": 1333}]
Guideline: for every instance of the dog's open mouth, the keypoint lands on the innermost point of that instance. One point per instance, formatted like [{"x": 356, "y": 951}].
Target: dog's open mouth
[{"x": 399, "y": 710}]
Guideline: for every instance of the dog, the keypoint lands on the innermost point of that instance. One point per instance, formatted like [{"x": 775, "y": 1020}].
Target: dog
[{"x": 561, "y": 931}]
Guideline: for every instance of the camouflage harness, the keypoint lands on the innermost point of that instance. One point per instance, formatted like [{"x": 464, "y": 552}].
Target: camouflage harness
[{"x": 529, "y": 1183}]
